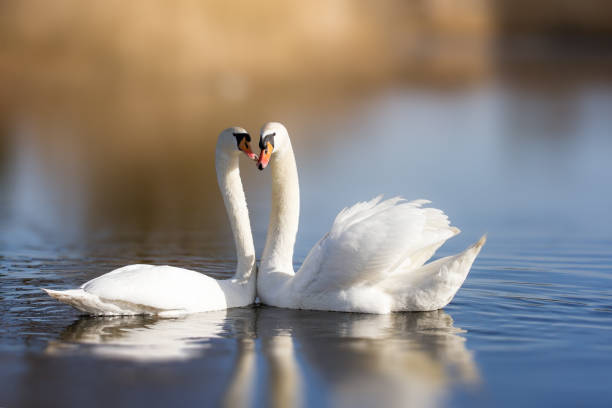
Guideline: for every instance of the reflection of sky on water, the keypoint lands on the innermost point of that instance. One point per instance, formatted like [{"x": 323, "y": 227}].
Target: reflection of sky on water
[
  {"x": 494, "y": 158},
  {"x": 491, "y": 161},
  {"x": 45, "y": 185},
  {"x": 285, "y": 358}
]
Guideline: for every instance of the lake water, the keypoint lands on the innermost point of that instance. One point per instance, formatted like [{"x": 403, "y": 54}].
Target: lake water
[{"x": 531, "y": 326}]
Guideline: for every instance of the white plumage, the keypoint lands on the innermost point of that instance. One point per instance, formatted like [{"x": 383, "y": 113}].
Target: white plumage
[
  {"x": 171, "y": 291},
  {"x": 149, "y": 289},
  {"x": 372, "y": 260}
]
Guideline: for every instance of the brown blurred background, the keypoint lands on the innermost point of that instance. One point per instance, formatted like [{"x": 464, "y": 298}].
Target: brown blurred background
[{"x": 109, "y": 110}]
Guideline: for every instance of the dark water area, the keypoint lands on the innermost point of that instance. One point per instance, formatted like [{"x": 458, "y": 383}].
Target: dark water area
[{"x": 531, "y": 326}]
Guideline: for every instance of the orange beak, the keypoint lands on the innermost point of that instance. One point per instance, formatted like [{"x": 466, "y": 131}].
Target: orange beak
[
  {"x": 264, "y": 156},
  {"x": 244, "y": 146}
]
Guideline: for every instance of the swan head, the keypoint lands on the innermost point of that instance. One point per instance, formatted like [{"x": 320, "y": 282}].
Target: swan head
[
  {"x": 235, "y": 139},
  {"x": 272, "y": 139}
]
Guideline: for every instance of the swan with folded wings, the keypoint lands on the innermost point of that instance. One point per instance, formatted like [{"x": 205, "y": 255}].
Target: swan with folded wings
[
  {"x": 171, "y": 291},
  {"x": 371, "y": 261}
]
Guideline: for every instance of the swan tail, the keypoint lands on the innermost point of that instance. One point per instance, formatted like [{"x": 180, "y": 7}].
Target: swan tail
[
  {"x": 478, "y": 245},
  {"x": 433, "y": 285},
  {"x": 77, "y": 298},
  {"x": 91, "y": 304},
  {"x": 63, "y": 295}
]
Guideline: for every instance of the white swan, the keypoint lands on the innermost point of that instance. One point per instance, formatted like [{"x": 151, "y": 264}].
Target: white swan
[
  {"x": 372, "y": 259},
  {"x": 170, "y": 291}
]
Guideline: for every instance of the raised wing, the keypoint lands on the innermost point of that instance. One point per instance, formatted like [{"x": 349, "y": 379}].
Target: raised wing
[{"x": 370, "y": 241}]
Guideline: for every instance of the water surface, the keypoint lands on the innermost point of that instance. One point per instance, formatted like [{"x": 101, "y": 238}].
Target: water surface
[{"x": 530, "y": 327}]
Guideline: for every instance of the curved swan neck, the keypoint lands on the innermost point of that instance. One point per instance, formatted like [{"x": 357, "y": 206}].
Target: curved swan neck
[
  {"x": 230, "y": 184},
  {"x": 284, "y": 215}
]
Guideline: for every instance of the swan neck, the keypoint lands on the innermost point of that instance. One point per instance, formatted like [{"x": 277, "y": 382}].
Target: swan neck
[
  {"x": 284, "y": 215},
  {"x": 230, "y": 184}
]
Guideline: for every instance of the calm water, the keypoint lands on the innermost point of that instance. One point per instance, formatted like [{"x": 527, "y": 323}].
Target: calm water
[{"x": 532, "y": 324}]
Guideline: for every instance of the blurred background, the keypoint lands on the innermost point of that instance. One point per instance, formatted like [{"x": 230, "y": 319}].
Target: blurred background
[{"x": 497, "y": 110}]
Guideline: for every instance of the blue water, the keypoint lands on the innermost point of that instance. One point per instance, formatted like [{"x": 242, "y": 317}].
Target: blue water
[{"x": 531, "y": 326}]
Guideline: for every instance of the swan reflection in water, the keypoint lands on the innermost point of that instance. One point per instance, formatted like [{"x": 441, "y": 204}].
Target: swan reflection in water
[
  {"x": 292, "y": 357},
  {"x": 140, "y": 338}
]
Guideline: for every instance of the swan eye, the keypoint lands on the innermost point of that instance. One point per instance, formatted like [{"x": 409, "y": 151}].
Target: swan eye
[
  {"x": 267, "y": 139},
  {"x": 242, "y": 142}
]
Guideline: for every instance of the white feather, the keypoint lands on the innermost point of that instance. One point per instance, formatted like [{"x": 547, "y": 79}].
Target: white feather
[
  {"x": 148, "y": 289},
  {"x": 372, "y": 259},
  {"x": 171, "y": 291}
]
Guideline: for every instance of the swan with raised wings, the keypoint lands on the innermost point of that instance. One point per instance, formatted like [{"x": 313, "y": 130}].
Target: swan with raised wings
[
  {"x": 170, "y": 291},
  {"x": 371, "y": 261}
]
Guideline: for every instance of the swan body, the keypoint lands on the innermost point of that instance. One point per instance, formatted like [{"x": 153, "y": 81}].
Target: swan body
[
  {"x": 371, "y": 261},
  {"x": 171, "y": 291},
  {"x": 159, "y": 290}
]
